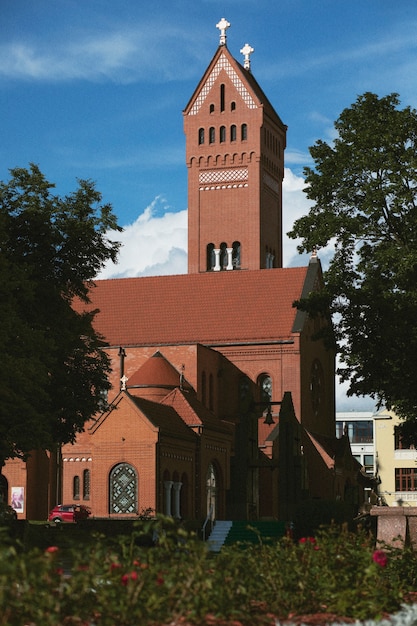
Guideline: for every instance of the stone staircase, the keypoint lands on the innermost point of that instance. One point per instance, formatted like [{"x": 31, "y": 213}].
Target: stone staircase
[{"x": 226, "y": 533}]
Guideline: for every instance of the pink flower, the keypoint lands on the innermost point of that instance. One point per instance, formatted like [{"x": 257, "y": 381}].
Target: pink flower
[
  {"x": 52, "y": 549},
  {"x": 307, "y": 540},
  {"x": 126, "y": 577},
  {"x": 380, "y": 558}
]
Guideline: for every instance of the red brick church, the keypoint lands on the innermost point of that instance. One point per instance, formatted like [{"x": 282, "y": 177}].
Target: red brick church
[{"x": 222, "y": 402}]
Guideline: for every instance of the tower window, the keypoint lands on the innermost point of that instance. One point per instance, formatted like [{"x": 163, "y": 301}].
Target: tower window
[
  {"x": 233, "y": 132},
  {"x": 244, "y": 132},
  {"x": 223, "y": 256},
  {"x": 222, "y": 92},
  {"x": 212, "y": 134},
  {"x": 211, "y": 108},
  {"x": 211, "y": 258},
  {"x": 233, "y": 106},
  {"x": 236, "y": 254},
  {"x": 76, "y": 488},
  {"x": 222, "y": 134},
  {"x": 86, "y": 484},
  {"x": 200, "y": 136}
]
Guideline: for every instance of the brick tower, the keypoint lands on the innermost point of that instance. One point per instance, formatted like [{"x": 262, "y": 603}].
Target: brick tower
[{"x": 235, "y": 145}]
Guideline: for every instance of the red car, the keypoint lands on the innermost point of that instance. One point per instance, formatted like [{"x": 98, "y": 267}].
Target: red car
[{"x": 69, "y": 513}]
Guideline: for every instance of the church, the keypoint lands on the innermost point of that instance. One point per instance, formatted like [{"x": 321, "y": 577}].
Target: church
[{"x": 223, "y": 402}]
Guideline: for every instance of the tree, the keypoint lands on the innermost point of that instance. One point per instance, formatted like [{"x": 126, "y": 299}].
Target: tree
[
  {"x": 53, "y": 369},
  {"x": 364, "y": 189}
]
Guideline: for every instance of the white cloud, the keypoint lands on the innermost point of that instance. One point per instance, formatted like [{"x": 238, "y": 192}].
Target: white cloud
[
  {"x": 151, "y": 246},
  {"x": 124, "y": 55}
]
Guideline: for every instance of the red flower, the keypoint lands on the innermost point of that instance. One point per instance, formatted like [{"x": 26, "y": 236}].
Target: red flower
[
  {"x": 126, "y": 577},
  {"x": 114, "y": 566},
  {"x": 307, "y": 540},
  {"x": 159, "y": 580},
  {"x": 52, "y": 549},
  {"x": 380, "y": 558}
]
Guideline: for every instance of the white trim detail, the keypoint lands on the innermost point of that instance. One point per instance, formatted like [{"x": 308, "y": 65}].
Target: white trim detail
[{"x": 222, "y": 64}]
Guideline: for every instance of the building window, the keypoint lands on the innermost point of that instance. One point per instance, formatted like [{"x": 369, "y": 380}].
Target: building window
[
  {"x": 203, "y": 389},
  {"x": 123, "y": 489},
  {"x": 223, "y": 255},
  {"x": 236, "y": 254},
  {"x": 211, "y": 487},
  {"x": 405, "y": 479},
  {"x": 398, "y": 440},
  {"x": 359, "y": 431},
  {"x": 211, "y": 392},
  {"x": 212, "y": 134},
  {"x": 233, "y": 106},
  {"x": 222, "y": 134},
  {"x": 211, "y": 108},
  {"x": 368, "y": 463},
  {"x": 76, "y": 488},
  {"x": 244, "y": 132},
  {"x": 86, "y": 484},
  {"x": 233, "y": 132},
  {"x": 222, "y": 94},
  {"x": 200, "y": 136},
  {"x": 211, "y": 257}
]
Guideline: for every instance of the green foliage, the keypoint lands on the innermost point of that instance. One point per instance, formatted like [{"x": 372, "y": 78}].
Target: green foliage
[
  {"x": 364, "y": 189},
  {"x": 119, "y": 582},
  {"x": 53, "y": 369}
]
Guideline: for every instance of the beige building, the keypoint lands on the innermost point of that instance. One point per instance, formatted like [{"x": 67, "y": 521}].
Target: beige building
[{"x": 396, "y": 466}]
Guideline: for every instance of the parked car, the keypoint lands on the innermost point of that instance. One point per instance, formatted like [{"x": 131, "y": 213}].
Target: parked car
[{"x": 69, "y": 513}]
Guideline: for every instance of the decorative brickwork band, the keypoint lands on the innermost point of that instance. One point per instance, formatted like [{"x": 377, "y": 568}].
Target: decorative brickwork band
[
  {"x": 223, "y": 177},
  {"x": 222, "y": 64}
]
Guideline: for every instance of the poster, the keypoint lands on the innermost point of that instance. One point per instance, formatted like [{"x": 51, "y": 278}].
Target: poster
[{"x": 18, "y": 499}]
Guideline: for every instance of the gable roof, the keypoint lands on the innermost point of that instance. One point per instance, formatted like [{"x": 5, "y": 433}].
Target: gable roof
[
  {"x": 243, "y": 80},
  {"x": 213, "y": 308},
  {"x": 194, "y": 413}
]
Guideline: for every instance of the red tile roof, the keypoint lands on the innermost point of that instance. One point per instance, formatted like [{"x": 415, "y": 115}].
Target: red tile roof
[
  {"x": 210, "y": 308},
  {"x": 157, "y": 371}
]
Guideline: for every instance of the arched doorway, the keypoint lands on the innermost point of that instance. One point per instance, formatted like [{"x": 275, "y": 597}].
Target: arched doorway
[
  {"x": 212, "y": 485},
  {"x": 123, "y": 483}
]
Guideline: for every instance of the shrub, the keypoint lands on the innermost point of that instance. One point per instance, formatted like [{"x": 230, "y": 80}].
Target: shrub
[{"x": 119, "y": 581}]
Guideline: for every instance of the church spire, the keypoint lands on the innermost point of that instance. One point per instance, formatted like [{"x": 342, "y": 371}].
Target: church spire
[{"x": 223, "y": 25}]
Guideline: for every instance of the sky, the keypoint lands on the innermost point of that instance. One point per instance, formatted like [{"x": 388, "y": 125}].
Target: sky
[{"x": 95, "y": 89}]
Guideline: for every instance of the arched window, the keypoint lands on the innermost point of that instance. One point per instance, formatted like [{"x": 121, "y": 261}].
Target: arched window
[
  {"x": 222, "y": 134},
  {"x": 211, "y": 392},
  {"x": 233, "y": 106},
  {"x": 236, "y": 254},
  {"x": 211, "y": 108},
  {"x": 76, "y": 488},
  {"x": 123, "y": 489},
  {"x": 211, "y": 257},
  {"x": 233, "y": 132},
  {"x": 222, "y": 94},
  {"x": 200, "y": 136},
  {"x": 212, "y": 134},
  {"x": 244, "y": 132},
  {"x": 86, "y": 484},
  {"x": 223, "y": 255},
  {"x": 203, "y": 389}
]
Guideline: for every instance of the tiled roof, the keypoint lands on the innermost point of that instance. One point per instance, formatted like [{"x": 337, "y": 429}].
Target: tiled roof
[
  {"x": 193, "y": 412},
  {"x": 164, "y": 417},
  {"x": 157, "y": 371},
  {"x": 210, "y": 308}
]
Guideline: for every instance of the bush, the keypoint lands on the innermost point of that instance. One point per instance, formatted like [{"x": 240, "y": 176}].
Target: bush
[{"x": 120, "y": 582}]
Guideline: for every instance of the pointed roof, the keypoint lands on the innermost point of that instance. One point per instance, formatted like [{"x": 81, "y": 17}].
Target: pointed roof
[
  {"x": 157, "y": 371},
  {"x": 243, "y": 80},
  {"x": 194, "y": 413},
  {"x": 213, "y": 308}
]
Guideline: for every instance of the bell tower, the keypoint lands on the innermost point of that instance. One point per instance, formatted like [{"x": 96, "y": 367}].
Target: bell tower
[{"x": 235, "y": 145}]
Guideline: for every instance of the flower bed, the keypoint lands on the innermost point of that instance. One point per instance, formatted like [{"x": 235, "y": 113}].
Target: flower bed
[{"x": 120, "y": 582}]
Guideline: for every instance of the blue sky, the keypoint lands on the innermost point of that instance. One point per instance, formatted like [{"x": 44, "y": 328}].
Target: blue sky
[{"x": 96, "y": 88}]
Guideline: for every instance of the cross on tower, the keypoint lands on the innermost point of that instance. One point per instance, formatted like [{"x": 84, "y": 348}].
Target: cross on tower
[
  {"x": 223, "y": 25},
  {"x": 247, "y": 50}
]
